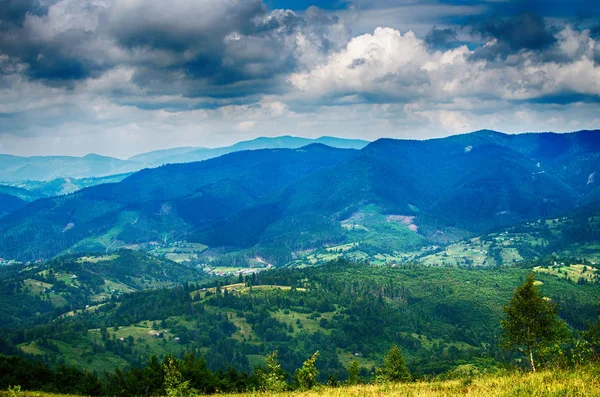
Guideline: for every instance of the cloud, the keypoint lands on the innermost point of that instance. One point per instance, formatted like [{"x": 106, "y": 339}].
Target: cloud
[
  {"x": 13, "y": 12},
  {"x": 79, "y": 75},
  {"x": 441, "y": 39},
  {"x": 402, "y": 67},
  {"x": 509, "y": 35},
  {"x": 205, "y": 45}
]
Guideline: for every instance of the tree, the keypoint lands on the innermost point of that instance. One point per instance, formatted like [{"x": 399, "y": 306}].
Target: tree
[
  {"x": 175, "y": 386},
  {"x": 591, "y": 337},
  {"x": 531, "y": 322},
  {"x": 394, "y": 367},
  {"x": 353, "y": 372},
  {"x": 274, "y": 378},
  {"x": 307, "y": 375}
]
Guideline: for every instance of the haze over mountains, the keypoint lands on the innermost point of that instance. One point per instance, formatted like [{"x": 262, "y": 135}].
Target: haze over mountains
[
  {"x": 278, "y": 202},
  {"x": 47, "y": 168}
]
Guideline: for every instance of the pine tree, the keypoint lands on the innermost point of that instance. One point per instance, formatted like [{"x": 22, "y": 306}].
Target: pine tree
[
  {"x": 531, "y": 322},
  {"x": 394, "y": 367}
]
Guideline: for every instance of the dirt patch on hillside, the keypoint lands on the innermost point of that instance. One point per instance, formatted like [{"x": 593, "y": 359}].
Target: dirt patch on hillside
[{"x": 406, "y": 220}]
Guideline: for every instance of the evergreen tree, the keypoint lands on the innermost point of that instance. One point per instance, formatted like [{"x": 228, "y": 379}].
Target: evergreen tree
[
  {"x": 394, "y": 367},
  {"x": 531, "y": 322}
]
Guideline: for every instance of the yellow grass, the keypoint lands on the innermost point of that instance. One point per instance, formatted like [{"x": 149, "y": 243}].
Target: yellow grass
[
  {"x": 584, "y": 382},
  {"x": 574, "y": 383}
]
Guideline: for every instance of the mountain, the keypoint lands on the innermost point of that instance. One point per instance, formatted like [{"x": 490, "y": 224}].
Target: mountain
[
  {"x": 156, "y": 204},
  {"x": 16, "y": 195},
  {"x": 444, "y": 189},
  {"x": 45, "y": 168},
  {"x": 16, "y": 169},
  {"x": 23, "y": 194},
  {"x": 188, "y": 154},
  {"x": 62, "y": 186},
  {"x": 10, "y": 203},
  {"x": 389, "y": 197}
]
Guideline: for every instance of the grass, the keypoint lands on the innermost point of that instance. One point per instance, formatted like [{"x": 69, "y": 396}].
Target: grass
[
  {"x": 309, "y": 324},
  {"x": 573, "y": 383},
  {"x": 582, "y": 382},
  {"x": 180, "y": 252},
  {"x": 346, "y": 357},
  {"x": 96, "y": 259},
  {"x": 573, "y": 272}
]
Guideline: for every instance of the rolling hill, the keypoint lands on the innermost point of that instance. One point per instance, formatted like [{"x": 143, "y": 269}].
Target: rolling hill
[{"x": 44, "y": 290}]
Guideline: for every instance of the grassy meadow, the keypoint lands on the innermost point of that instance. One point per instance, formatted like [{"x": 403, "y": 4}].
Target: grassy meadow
[{"x": 579, "y": 382}]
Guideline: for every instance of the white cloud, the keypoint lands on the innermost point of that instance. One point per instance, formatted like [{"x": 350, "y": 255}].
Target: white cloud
[
  {"x": 400, "y": 66},
  {"x": 213, "y": 72}
]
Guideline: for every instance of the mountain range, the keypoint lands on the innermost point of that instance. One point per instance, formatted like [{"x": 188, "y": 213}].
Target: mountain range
[
  {"x": 48, "y": 168},
  {"x": 277, "y": 203}
]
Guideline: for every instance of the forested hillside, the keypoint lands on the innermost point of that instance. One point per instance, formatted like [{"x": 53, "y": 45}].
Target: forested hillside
[
  {"x": 44, "y": 291},
  {"x": 442, "y": 317}
]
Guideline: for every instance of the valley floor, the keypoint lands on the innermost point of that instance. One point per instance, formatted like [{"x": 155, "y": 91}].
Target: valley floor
[{"x": 573, "y": 383}]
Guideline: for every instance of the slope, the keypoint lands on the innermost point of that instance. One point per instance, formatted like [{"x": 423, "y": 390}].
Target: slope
[
  {"x": 42, "y": 291},
  {"x": 10, "y": 203},
  {"x": 152, "y": 204}
]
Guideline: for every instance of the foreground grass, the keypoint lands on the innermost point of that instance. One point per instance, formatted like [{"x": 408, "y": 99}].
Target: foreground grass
[{"x": 579, "y": 382}]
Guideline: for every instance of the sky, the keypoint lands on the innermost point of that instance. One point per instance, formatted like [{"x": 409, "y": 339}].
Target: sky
[{"x": 120, "y": 77}]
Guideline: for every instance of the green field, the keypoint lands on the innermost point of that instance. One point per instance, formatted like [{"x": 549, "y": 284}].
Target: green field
[{"x": 575, "y": 272}]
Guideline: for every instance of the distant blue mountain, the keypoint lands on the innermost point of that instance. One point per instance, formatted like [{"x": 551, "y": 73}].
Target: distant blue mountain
[
  {"x": 188, "y": 155},
  {"x": 47, "y": 168}
]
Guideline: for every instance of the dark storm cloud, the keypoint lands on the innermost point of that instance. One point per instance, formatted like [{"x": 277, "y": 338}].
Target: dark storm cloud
[
  {"x": 222, "y": 60},
  {"x": 524, "y": 32},
  {"x": 441, "y": 39},
  {"x": 12, "y": 12},
  {"x": 62, "y": 60},
  {"x": 200, "y": 47},
  {"x": 158, "y": 25},
  {"x": 57, "y": 57}
]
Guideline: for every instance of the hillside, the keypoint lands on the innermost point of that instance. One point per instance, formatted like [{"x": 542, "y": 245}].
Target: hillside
[
  {"x": 279, "y": 204},
  {"x": 39, "y": 292},
  {"x": 442, "y": 318},
  {"x": 574, "y": 237},
  {"x": 62, "y": 186},
  {"x": 10, "y": 203},
  {"x": 159, "y": 204},
  {"x": 580, "y": 382}
]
